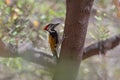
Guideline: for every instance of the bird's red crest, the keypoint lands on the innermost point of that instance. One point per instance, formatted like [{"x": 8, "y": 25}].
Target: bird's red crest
[{"x": 46, "y": 27}]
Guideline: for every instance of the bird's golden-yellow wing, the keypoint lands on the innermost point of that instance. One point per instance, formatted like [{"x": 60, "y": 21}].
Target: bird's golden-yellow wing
[{"x": 52, "y": 42}]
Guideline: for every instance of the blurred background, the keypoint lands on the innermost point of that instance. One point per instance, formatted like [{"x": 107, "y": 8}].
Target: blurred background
[{"x": 24, "y": 20}]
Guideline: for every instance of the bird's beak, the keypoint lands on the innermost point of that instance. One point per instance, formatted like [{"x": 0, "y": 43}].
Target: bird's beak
[{"x": 57, "y": 23}]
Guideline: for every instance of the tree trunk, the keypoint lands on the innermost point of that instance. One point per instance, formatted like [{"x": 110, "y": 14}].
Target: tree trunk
[{"x": 77, "y": 16}]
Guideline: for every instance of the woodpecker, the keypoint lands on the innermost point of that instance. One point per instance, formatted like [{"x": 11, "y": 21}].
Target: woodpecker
[{"x": 53, "y": 38}]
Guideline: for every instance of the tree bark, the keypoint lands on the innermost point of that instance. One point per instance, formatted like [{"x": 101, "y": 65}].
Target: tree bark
[{"x": 77, "y": 16}]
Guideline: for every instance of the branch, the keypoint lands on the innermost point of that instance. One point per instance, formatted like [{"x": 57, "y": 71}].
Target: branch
[
  {"x": 106, "y": 45},
  {"x": 27, "y": 51}
]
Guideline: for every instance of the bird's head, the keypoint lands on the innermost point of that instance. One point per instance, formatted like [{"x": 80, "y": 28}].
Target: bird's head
[
  {"x": 47, "y": 27},
  {"x": 50, "y": 27}
]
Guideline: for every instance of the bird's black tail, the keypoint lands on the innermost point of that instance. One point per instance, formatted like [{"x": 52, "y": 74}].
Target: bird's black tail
[{"x": 55, "y": 54}]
